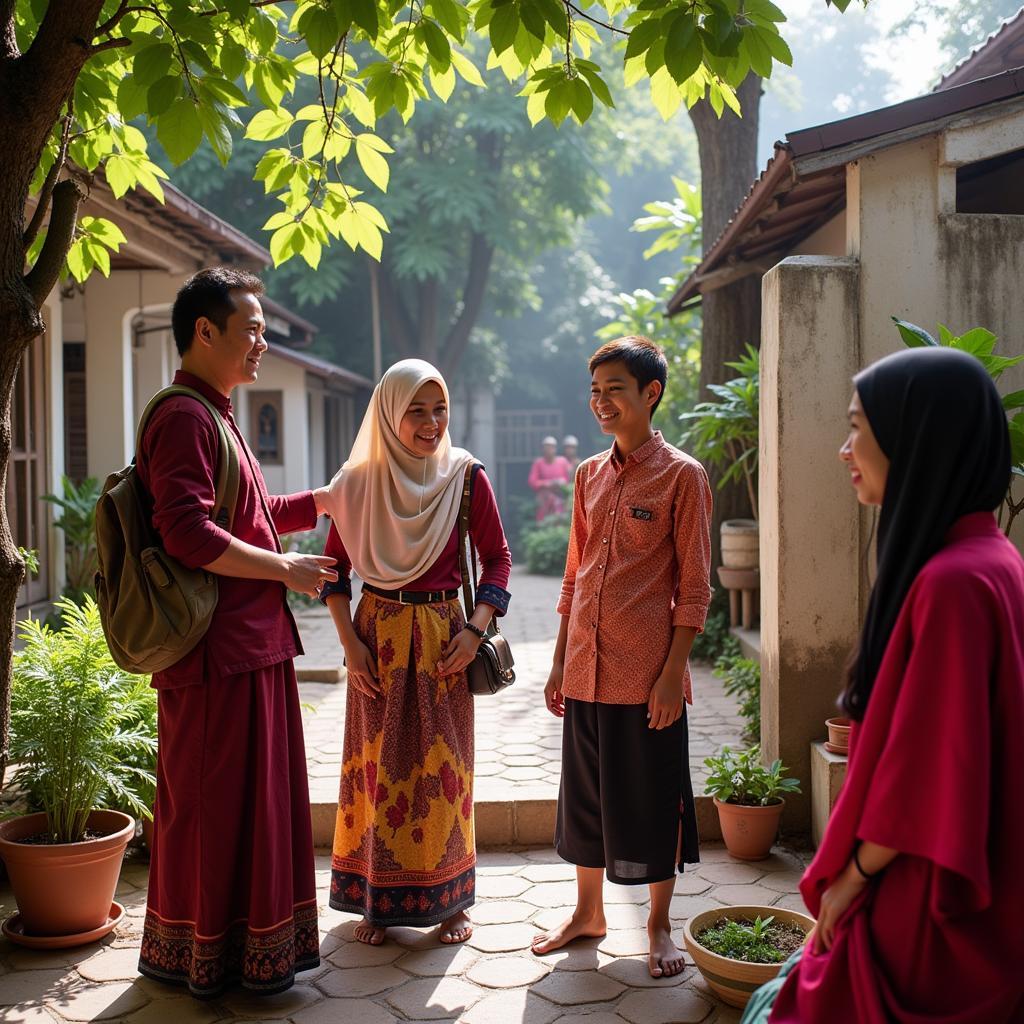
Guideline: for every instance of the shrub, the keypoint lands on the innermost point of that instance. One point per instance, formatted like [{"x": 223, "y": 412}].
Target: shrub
[
  {"x": 742, "y": 679},
  {"x": 82, "y": 730},
  {"x": 740, "y": 778},
  {"x": 716, "y": 641},
  {"x": 545, "y": 545}
]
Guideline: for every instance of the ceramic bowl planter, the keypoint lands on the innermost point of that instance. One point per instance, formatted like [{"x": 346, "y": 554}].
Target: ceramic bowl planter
[
  {"x": 734, "y": 981},
  {"x": 838, "y": 735},
  {"x": 64, "y": 891},
  {"x": 749, "y": 831}
]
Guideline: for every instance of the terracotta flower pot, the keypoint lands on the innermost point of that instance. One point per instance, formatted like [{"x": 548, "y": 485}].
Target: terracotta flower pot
[
  {"x": 740, "y": 544},
  {"x": 734, "y": 981},
  {"x": 749, "y": 831},
  {"x": 838, "y": 735},
  {"x": 65, "y": 888}
]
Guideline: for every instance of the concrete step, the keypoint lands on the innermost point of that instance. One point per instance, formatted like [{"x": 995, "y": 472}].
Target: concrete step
[{"x": 521, "y": 821}]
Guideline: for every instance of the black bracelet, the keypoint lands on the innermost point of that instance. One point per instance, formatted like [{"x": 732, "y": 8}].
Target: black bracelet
[
  {"x": 856, "y": 864},
  {"x": 476, "y": 630}
]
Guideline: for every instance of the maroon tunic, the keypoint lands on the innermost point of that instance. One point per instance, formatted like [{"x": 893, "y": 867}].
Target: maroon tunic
[
  {"x": 232, "y": 895},
  {"x": 935, "y": 774}
]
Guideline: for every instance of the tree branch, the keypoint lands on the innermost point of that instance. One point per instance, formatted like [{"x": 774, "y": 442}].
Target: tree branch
[
  {"x": 110, "y": 44},
  {"x": 111, "y": 23},
  {"x": 594, "y": 21},
  {"x": 43, "y": 203},
  {"x": 63, "y": 216},
  {"x": 252, "y": 3},
  {"x": 8, "y": 38}
]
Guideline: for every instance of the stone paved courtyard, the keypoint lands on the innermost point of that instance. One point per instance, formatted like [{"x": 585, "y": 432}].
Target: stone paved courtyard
[{"x": 493, "y": 979}]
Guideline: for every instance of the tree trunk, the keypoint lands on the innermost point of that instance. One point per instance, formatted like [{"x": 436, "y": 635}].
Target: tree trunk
[
  {"x": 34, "y": 86},
  {"x": 731, "y": 316}
]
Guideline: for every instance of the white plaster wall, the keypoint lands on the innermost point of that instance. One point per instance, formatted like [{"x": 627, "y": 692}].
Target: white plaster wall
[
  {"x": 315, "y": 443},
  {"x": 472, "y": 425},
  {"x": 278, "y": 374},
  {"x": 828, "y": 240},
  {"x": 54, "y": 390}
]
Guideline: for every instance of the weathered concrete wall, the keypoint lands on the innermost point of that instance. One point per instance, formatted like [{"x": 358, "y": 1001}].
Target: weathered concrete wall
[{"x": 810, "y": 523}]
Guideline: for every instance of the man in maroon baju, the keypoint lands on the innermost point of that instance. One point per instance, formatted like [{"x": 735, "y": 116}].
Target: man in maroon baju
[{"x": 232, "y": 897}]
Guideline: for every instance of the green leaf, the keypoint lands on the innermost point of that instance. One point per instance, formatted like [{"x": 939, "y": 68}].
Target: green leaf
[
  {"x": 131, "y": 98},
  {"x": 503, "y": 28},
  {"x": 1014, "y": 400},
  {"x": 447, "y": 13},
  {"x": 683, "y": 49},
  {"x": 437, "y": 42},
  {"x": 373, "y": 164},
  {"x": 180, "y": 130},
  {"x": 215, "y": 121},
  {"x": 558, "y": 101},
  {"x": 238, "y": 9},
  {"x": 319, "y": 26},
  {"x": 467, "y": 69},
  {"x": 757, "y": 52},
  {"x": 103, "y": 230},
  {"x": 643, "y": 37},
  {"x": 283, "y": 240},
  {"x": 665, "y": 93},
  {"x": 364, "y": 14},
  {"x": 443, "y": 83},
  {"x": 152, "y": 63},
  {"x": 597, "y": 83},
  {"x": 979, "y": 342},
  {"x": 269, "y": 124},
  {"x": 533, "y": 19},
  {"x": 912, "y": 335},
  {"x": 162, "y": 93},
  {"x": 232, "y": 59},
  {"x": 120, "y": 175},
  {"x": 225, "y": 91},
  {"x": 582, "y": 99}
]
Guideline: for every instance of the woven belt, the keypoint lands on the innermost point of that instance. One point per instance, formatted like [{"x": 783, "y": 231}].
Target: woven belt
[{"x": 413, "y": 596}]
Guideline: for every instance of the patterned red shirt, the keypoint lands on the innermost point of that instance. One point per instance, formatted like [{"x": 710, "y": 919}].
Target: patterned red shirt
[{"x": 639, "y": 564}]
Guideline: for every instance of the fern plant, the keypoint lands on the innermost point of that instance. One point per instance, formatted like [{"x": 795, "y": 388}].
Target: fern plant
[
  {"x": 83, "y": 732},
  {"x": 77, "y": 519}
]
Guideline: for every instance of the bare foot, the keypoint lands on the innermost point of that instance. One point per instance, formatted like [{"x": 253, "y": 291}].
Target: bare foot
[
  {"x": 457, "y": 928},
  {"x": 369, "y": 934},
  {"x": 578, "y": 926},
  {"x": 666, "y": 959}
]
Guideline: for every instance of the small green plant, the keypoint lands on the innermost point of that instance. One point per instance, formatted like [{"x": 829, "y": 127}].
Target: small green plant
[
  {"x": 761, "y": 941},
  {"x": 716, "y": 641},
  {"x": 77, "y": 519},
  {"x": 738, "y": 777},
  {"x": 724, "y": 432},
  {"x": 981, "y": 344},
  {"x": 31, "y": 559},
  {"x": 83, "y": 732},
  {"x": 742, "y": 679}
]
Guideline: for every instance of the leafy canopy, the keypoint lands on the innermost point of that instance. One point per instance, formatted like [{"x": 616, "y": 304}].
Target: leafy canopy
[{"x": 213, "y": 69}]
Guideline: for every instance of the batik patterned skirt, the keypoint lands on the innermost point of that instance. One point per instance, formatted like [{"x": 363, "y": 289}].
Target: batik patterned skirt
[{"x": 404, "y": 847}]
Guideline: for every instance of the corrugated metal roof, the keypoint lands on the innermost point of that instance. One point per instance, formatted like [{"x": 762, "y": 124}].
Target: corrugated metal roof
[{"x": 1003, "y": 50}]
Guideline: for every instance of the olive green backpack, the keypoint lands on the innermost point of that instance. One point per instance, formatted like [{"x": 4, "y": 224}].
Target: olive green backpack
[{"x": 155, "y": 610}]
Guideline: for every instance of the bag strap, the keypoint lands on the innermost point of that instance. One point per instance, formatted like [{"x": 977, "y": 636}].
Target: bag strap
[
  {"x": 225, "y": 496},
  {"x": 468, "y": 590}
]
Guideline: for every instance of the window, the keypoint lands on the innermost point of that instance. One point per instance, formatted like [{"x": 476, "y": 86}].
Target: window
[
  {"x": 266, "y": 426},
  {"x": 995, "y": 185}
]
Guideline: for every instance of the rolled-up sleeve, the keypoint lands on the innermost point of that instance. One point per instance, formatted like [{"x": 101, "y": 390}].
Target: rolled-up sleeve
[
  {"x": 180, "y": 450},
  {"x": 692, "y": 513},
  {"x": 334, "y": 548},
  {"x": 488, "y": 536},
  {"x": 292, "y": 512},
  {"x": 577, "y": 542}
]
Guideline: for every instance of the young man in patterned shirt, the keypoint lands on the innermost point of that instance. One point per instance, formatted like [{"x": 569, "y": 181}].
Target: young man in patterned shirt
[{"x": 634, "y": 596}]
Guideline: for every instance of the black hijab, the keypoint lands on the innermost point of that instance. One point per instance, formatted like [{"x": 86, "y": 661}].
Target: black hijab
[{"x": 938, "y": 418}]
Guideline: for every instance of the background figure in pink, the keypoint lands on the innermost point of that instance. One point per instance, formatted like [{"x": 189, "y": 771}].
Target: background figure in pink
[
  {"x": 571, "y": 452},
  {"x": 548, "y": 476}
]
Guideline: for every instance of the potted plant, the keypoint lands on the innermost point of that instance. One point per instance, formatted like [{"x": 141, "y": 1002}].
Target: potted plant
[
  {"x": 724, "y": 432},
  {"x": 78, "y": 738},
  {"x": 749, "y": 799},
  {"x": 838, "y": 735},
  {"x": 738, "y": 949}
]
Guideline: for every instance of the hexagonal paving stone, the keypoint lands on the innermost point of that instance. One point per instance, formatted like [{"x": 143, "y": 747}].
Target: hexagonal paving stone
[
  {"x": 502, "y": 912},
  {"x": 602, "y": 1017},
  {"x": 550, "y": 872},
  {"x": 31, "y": 987},
  {"x": 794, "y": 901},
  {"x": 684, "y": 907},
  {"x": 577, "y": 987},
  {"x": 359, "y": 954},
  {"x": 277, "y": 1007},
  {"x": 781, "y": 860},
  {"x": 111, "y": 965},
  {"x": 633, "y": 972},
  {"x": 738, "y": 895},
  {"x": 414, "y": 938},
  {"x": 664, "y": 1006},
  {"x": 551, "y": 894},
  {"x": 501, "y": 886},
  {"x": 344, "y": 1011},
  {"x": 502, "y": 938},
  {"x": 360, "y": 981},
  {"x": 626, "y": 915},
  {"x": 626, "y": 893},
  {"x": 434, "y": 998},
  {"x": 690, "y": 884},
  {"x": 27, "y": 1013},
  {"x": 506, "y": 971},
  {"x": 432, "y": 963},
  {"x": 626, "y": 942},
  {"x": 542, "y": 855},
  {"x": 729, "y": 874},
  {"x": 578, "y": 957},
  {"x": 782, "y": 881},
  {"x": 98, "y": 1002},
  {"x": 520, "y": 1006}
]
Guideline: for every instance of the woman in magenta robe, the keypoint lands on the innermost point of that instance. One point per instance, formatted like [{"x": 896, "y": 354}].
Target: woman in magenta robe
[
  {"x": 918, "y": 886},
  {"x": 549, "y": 477}
]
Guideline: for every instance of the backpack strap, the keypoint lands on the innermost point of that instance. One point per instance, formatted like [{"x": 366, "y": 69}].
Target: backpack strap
[{"x": 225, "y": 496}]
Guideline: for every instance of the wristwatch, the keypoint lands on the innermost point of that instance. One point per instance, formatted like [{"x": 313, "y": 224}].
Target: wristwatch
[{"x": 476, "y": 630}]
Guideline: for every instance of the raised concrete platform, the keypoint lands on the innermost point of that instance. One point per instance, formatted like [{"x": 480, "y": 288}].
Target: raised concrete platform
[{"x": 828, "y": 772}]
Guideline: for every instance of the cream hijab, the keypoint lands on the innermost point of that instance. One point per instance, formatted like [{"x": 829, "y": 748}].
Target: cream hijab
[{"x": 394, "y": 510}]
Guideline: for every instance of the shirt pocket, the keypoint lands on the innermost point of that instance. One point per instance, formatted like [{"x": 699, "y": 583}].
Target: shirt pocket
[{"x": 644, "y": 523}]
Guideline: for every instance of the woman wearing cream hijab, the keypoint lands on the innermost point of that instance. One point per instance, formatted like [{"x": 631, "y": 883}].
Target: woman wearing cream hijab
[{"x": 404, "y": 849}]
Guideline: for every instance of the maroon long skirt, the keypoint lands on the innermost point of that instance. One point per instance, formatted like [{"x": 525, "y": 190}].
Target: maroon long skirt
[{"x": 232, "y": 894}]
